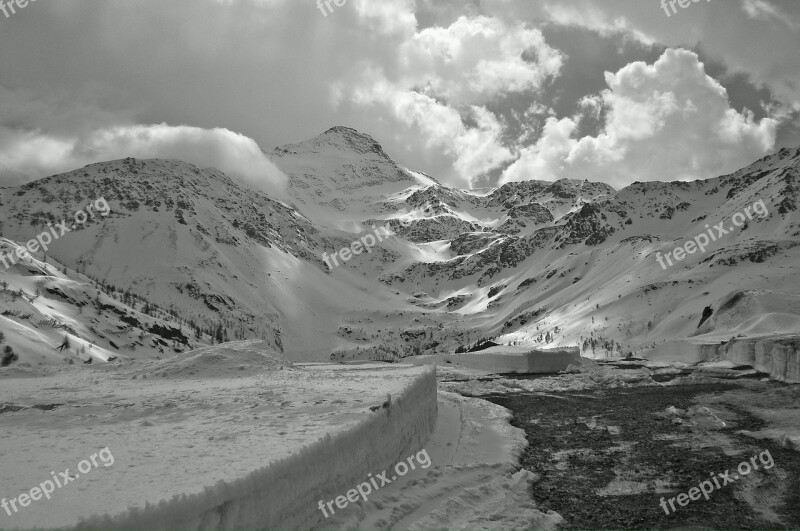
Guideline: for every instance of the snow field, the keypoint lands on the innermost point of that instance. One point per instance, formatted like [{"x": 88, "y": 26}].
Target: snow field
[{"x": 284, "y": 494}]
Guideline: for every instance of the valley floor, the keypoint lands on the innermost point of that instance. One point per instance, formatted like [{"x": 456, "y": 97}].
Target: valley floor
[
  {"x": 607, "y": 457},
  {"x": 603, "y": 446},
  {"x": 606, "y": 444},
  {"x": 593, "y": 449},
  {"x": 199, "y": 423}
]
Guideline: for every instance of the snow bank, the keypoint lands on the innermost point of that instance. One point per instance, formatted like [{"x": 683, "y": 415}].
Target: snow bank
[
  {"x": 284, "y": 494},
  {"x": 474, "y": 481},
  {"x": 778, "y": 356},
  {"x": 505, "y": 359},
  {"x": 218, "y": 361}
]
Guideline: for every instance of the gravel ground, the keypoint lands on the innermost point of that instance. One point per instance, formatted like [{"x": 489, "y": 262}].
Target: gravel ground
[{"x": 606, "y": 457}]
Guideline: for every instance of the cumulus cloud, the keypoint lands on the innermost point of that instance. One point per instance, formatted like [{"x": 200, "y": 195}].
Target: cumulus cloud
[
  {"x": 475, "y": 60},
  {"x": 27, "y": 155},
  {"x": 387, "y": 16},
  {"x": 443, "y": 84},
  {"x": 716, "y": 28},
  {"x": 475, "y": 150},
  {"x": 591, "y": 16},
  {"x": 664, "y": 121},
  {"x": 445, "y": 78}
]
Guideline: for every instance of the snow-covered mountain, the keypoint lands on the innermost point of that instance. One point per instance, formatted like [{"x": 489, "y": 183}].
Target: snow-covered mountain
[
  {"x": 51, "y": 314},
  {"x": 338, "y": 176},
  {"x": 532, "y": 263}
]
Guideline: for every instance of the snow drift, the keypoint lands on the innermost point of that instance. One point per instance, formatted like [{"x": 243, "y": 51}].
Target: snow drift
[
  {"x": 218, "y": 361},
  {"x": 284, "y": 494}
]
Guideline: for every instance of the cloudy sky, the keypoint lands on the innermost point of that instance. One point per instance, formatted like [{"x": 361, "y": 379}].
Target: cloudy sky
[{"x": 473, "y": 92}]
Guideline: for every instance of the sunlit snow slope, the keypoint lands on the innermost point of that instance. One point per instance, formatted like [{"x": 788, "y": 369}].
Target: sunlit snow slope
[{"x": 529, "y": 264}]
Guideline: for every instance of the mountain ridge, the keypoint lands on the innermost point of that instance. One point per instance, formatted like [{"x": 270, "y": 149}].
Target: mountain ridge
[{"x": 535, "y": 263}]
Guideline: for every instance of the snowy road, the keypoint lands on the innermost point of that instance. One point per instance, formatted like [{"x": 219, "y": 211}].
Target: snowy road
[{"x": 473, "y": 482}]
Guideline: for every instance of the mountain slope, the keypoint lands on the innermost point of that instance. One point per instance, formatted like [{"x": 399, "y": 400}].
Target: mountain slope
[
  {"x": 341, "y": 175},
  {"x": 194, "y": 240},
  {"x": 53, "y": 315},
  {"x": 533, "y": 263}
]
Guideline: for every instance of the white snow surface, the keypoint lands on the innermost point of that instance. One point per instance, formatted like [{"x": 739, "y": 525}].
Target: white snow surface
[
  {"x": 224, "y": 437},
  {"x": 205, "y": 434},
  {"x": 474, "y": 481}
]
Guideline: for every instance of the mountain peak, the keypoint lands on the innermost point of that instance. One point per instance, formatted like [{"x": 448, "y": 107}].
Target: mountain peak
[
  {"x": 349, "y": 138},
  {"x": 338, "y": 138},
  {"x": 344, "y": 130}
]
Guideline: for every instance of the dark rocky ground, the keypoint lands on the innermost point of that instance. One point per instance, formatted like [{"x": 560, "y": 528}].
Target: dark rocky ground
[{"x": 606, "y": 457}]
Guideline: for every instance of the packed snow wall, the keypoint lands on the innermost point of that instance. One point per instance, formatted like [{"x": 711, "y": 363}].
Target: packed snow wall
[
  {"x": 505, "y": 359},
  {"x": 285, "y": 494},
  {"x": 778, "y": 357}
]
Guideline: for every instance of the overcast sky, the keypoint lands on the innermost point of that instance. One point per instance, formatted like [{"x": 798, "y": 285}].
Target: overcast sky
[{"x": 474, "y": 92}]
